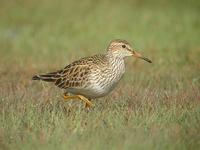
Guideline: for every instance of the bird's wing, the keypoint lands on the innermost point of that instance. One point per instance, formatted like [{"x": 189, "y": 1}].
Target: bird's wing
[{"x": 75, "y": 75}]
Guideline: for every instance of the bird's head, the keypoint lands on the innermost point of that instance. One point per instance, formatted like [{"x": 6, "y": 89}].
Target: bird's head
[{"x": 121, "y": 48}]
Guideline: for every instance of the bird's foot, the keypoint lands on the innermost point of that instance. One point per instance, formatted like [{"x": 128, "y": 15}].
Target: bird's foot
[{"x": 88, "y": 103}]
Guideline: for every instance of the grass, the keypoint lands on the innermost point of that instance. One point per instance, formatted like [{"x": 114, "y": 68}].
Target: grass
[{"x": 155, "y": 106}]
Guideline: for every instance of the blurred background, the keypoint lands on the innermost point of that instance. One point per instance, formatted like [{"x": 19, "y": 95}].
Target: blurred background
[
  {"x": 42, "y": 36},
  {"x": 166, "y": 31}
]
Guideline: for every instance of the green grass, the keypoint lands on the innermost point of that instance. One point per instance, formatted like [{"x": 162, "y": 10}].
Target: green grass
[{"x": 155, "y": 106}]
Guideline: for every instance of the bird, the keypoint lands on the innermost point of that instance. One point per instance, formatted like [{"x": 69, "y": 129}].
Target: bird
[{"x": 94, "y": 76}]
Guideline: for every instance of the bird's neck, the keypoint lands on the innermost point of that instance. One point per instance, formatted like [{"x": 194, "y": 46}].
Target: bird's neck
[
  {"x": 116, "y": 65},
  {"x": 113, "y": 57},
  {"x": 115, "y": 61}
]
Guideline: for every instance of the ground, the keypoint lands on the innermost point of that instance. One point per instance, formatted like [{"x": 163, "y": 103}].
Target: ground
[{"x": 155, "y": 106}]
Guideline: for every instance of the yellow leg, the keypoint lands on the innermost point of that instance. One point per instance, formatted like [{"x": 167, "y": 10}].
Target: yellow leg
[
  {"x": 87, "y": 106},
  {"x": 88, "y": 103}
]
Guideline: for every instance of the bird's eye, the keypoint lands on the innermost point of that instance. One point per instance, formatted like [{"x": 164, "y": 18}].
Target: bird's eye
[{"x": 123, "y": 46}]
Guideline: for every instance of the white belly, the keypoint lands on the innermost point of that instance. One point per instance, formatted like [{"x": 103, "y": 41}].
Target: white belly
[
  {"x": 101, "y": 81},
  {"x": 95, "y": 90},
  {"x": 105, "y": 81}
]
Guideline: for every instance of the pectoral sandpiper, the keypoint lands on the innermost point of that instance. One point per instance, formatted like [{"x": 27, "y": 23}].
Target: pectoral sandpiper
[{"x": 95, "y": 76}]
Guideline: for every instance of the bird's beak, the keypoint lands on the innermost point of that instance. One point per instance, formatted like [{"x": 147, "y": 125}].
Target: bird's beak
[{"x": 138, "y": 55}]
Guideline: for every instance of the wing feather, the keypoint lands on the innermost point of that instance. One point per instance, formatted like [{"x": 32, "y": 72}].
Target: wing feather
[{"x": 75, "y": 75}]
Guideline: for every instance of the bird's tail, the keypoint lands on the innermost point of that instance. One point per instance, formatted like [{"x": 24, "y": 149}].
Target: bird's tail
[{"x": 49, "y": 77}]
